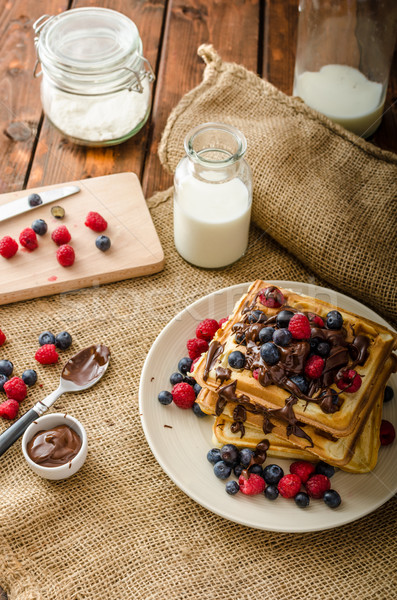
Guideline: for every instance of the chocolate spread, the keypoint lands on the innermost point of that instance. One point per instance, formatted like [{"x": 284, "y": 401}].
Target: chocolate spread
[
  {"x": 87, "y": 365},
  {"x": 54, "y": 447}
]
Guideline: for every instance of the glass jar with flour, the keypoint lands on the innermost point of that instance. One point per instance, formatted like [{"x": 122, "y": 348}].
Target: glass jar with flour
[
  {"x": 212, "y": 197},
  {"x": 96, "y": 84}
]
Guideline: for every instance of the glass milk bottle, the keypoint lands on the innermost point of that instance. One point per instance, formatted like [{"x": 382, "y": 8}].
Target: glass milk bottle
[
  {"x": 343, "y": 59},
  {"x": 212, "y": 197}
]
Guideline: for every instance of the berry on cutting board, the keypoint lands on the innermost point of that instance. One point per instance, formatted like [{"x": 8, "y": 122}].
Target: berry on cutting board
[
  {"x": 28, "y": 239},
  {"x": 65, "y": 255},
  {"x": 103, "y": 243},
  {"x": 61, "y": 235},
  {"x": 39, "y": 226},
  {"x": 95, "y": 222},
  {"x": 8, "y": 247}
]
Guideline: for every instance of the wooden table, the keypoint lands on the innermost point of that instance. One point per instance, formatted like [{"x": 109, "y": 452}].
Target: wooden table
[{"x": 259, "y": 34}]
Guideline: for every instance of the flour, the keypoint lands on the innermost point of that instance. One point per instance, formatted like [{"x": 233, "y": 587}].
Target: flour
[{"x": 95, "y": 118}]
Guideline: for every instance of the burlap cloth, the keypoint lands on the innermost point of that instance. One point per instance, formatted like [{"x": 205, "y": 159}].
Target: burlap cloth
[{"x": 119, "y": 528}]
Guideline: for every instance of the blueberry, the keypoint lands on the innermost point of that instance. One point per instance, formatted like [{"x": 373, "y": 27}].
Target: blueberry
[
  {"x": 46, "y": 338},
  {"x": 165, "y": 397},
  {"x": 189, "y": 380},
  {"x": 323, "y": 469},
  {"x": 245, "y": 456},
  {"x": 238, "y": 469},
  {"x": 272, "y": 474},
  {"x": 39, "y": 226},
  {"x": 271, "y": 492},
  {"x": 302, "y": 500},
  {"x": 389, "y": 393},
  {"x": 63, "y": 340},
  {"x": 332, "y": 498},
  {"x": 270, "y": 353},
  {"x": 103, "y": 243},
  {"x": 29, "y": 377},
  {"x": 240, "y": 338},
  {"x": 334, "y": 320},
  {"x": 257, "y": 316},
  {"x": 214, "y": 455},
  {"x": 3, "y": 379},
  {"x": 283, "y": 318},
  {"x": 176, "y": 378},
  {"x": 232, "y": 487},
  {"x": 197, "y": 411},
  {"x": 323, "y": 349},
  {"x": 314, "y": 342},
  {"x": 58, "y": 212},
  {"x": 184, "y": 365},
  {"x": 282, "y": 337},
  {"x": 236, "y": 360},
  {"x": 230, "y": 455},
  {"x": 197, "y": 389},
  {"x": 6, "y": 367},
  {"x": 34, "y": 200},
  {"x": 257, "y": 469},
  {"x": 301, "y": 382},
  {"x": 266, "y": 334},
  {"x": 222, "y": 470}
]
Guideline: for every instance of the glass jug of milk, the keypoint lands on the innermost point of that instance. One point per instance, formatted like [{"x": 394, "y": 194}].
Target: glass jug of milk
[
  {"x": 343, "y": 59},
  {"x": 212, "y": 197}
]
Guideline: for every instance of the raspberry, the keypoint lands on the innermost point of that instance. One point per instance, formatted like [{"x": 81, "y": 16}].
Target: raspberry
[
  {"x": 47, "y": 354},
  {"x": 315, "y": 320},
  {"x": 61, "y": 235},
  {"x": 183, "y": 395},
  {"x": 9, "y": 409},
  {"x": 222, "y": 321},
  {"x": 255, "y": 374},
  {"x": 387, "y": 433},
  {"x": 196, "y": 347},
  {"x": 289, "y": 485},
  {"x": 303, "y": 469},
  {"x": 2, "y": 338},
  {"x": 8, "y": 247},
  {"x": 317, "y": 485},
  {"x": 65, "y": 255},
  {"x": 255, "y": 484},
  {"x": 15, "y": 389},
  {"x": 95, "y": 222},
  {"x": 314, "y": 367},
  {"x": 299, "y": 327},
  {"x": 207, "y": 329},
  {"x": 271, "y": 297},
  {"x": 28, "y": 239},
  {"x": 349, "y": 381},
  {"x": 194, "y": 364}
]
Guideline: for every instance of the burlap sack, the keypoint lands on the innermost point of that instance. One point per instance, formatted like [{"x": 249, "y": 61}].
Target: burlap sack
[
  {"x": 324, "y": 194},
  {"x": 120, "y": 529}
]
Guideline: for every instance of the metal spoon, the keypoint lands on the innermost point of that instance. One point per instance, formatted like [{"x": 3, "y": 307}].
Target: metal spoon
[{"x": 81, "y": 372}]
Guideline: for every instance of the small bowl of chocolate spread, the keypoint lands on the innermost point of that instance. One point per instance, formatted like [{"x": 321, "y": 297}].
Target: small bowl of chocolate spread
[{"x": 55, "y": 446}]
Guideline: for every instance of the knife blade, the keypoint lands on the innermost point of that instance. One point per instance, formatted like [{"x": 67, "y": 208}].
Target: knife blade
[{"x": 21, "y": 205}]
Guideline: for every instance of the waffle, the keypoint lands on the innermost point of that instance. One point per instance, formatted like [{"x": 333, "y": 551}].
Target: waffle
[
  {"x": 356, "y": 452},
  {"x": 363, "y": 456},
  {"x": 360, "y": 344}
]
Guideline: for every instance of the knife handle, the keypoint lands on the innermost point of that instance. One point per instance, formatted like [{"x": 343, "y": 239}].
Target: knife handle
[{"x": 10, "y": 435}]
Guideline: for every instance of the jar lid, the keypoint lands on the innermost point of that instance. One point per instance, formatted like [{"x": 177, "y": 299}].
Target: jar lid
[{"x": 89, "y": 40}]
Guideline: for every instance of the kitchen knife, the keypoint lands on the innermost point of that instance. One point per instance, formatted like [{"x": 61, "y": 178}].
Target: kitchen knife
[{"x": 21, "y": 205}]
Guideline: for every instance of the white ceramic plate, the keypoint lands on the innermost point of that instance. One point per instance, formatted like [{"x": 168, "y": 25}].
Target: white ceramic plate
[{"x": 180, "y": 441}]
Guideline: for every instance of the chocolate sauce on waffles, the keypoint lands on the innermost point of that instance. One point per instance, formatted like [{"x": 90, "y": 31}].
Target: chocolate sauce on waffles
[{"x": 341, "y": 354}]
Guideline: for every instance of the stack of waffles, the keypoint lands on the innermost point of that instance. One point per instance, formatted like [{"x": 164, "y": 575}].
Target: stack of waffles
[{"x": 306, "y": 375}]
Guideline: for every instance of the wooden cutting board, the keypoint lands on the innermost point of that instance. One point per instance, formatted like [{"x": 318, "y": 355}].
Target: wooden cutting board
[{"x": 135, "y": 248}]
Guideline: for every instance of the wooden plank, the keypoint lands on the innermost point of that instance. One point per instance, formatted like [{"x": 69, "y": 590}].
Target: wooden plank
[
  {"x": 56, "y": 159},
  {"x": 20, "y": 105},
  {"x": 279, "y": 48},
  {"x": 135, "y": 248},
  {"x": 233, "y": 29}
]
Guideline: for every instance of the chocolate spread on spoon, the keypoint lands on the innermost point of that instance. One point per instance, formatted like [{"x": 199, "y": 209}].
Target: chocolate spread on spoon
[
  {"x": 87, "y": 365},
  {"x": 54, "y": 447}
]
